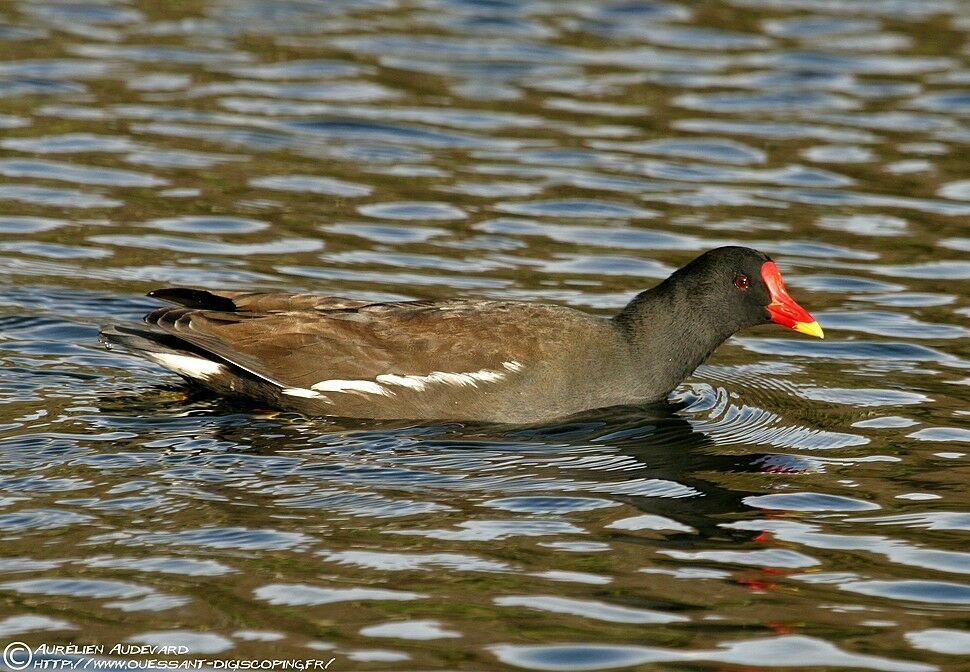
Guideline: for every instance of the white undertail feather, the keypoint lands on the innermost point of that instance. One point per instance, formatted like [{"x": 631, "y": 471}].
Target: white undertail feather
[{"x": 187, "y": 365}]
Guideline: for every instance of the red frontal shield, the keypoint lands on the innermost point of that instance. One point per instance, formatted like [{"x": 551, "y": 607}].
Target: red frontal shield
[{"x": 783, "y": 308}]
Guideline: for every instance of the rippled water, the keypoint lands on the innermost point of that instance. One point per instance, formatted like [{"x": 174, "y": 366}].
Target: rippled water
[{"x": 798, "y": 504}]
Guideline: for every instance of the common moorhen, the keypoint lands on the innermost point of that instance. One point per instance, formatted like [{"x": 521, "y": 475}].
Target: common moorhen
[{"x": 461, "y": 359}]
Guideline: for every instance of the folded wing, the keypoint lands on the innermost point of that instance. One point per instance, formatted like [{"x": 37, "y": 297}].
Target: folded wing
[{"x": 308, "y": 342}]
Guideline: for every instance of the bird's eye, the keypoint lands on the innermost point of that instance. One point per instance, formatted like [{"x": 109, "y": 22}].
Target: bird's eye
[{"x": 741, "y": 281}]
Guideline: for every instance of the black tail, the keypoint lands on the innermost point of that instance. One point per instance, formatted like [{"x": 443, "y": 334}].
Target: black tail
[{"x": 194, "y": 298}]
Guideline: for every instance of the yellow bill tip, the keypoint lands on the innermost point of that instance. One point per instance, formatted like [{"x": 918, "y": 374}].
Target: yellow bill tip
[{"x": 809, "y": 328}]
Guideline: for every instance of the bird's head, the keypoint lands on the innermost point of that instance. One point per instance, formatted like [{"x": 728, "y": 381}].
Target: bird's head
[{"x": 744, "y": 288}]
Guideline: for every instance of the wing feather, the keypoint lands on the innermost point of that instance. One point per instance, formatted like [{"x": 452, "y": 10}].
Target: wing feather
[{"x": 298, "y": 340}]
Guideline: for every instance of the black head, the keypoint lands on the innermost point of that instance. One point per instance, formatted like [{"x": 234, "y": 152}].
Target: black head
[
  {"x": 675, "y": 326},
  {"x": 738, "y": 287}
]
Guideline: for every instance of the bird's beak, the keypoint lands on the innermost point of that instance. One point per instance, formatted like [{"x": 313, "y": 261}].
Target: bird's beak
[{"x": 783, "y": 308}]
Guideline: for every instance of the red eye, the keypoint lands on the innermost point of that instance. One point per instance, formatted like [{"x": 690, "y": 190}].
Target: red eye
[{"x": 742, "y": 282}]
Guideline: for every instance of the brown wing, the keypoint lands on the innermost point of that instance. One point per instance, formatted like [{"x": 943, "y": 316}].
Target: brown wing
[{"x": 298, "y": 340}]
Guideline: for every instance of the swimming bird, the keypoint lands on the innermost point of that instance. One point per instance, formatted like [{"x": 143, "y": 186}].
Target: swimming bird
[{"x": 460, "y": 359}]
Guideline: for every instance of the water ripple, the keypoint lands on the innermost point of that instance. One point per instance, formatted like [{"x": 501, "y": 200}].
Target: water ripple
[
  {"x": 297, "y": 594},
  {"x": 790, "y": 650},
  {"x": 36, "y": 194},
  {"x": 588, "y": 609},
  {"x": 55, "y": 170}
]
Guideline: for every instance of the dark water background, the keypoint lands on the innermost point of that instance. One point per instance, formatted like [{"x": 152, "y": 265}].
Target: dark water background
[{"x": 801, "y": 504}]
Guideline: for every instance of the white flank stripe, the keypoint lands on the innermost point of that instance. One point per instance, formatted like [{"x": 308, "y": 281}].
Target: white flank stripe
[
  {"x": 419, "y": 383},
  {"x": 337, "y": 385},
  {"x": 187, "y": 365},
  {"x": 413, "y": 382},
  {"x": 465, "y": 379}
]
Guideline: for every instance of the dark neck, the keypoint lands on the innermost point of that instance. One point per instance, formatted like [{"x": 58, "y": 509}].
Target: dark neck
[{"x": 669, "y": 334}]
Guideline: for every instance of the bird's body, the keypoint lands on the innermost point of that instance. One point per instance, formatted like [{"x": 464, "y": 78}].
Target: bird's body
[{"x": 461, "y": 359}]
